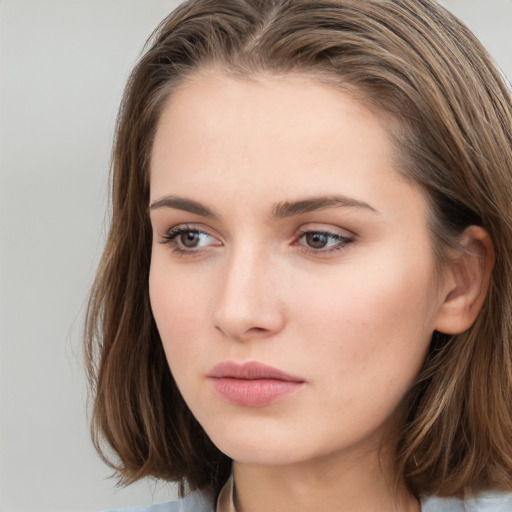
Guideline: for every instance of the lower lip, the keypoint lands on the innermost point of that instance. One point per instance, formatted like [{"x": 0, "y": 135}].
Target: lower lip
[{"x": 255, "y": 392}]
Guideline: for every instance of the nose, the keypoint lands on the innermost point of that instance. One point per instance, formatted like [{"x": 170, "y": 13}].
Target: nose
[{"x": 248, "y": 303}]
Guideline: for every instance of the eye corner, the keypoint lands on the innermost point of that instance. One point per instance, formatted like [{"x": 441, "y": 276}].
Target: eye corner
[{"x": 323, "y": 241}]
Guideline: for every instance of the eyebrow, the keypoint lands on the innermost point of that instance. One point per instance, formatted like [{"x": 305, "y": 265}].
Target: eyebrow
[
  {"x": 182, "y": 203},
  {"x": 279, "y": 211},
  {"x": 290, "y": 208}
]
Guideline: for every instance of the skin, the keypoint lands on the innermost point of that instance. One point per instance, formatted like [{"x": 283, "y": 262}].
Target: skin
[{"x": 353, "y": 319}]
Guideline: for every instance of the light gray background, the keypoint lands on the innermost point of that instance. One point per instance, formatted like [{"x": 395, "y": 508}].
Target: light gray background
[{"x": 63, "y": 64}]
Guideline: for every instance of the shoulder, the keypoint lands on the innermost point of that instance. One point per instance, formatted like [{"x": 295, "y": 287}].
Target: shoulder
[
  {"x": 194, "y": 502},
  {"x": 490, "y": 501}
]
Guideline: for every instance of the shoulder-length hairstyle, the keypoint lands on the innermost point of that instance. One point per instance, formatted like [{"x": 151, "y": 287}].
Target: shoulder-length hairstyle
[{"x": 450, "y": 117}]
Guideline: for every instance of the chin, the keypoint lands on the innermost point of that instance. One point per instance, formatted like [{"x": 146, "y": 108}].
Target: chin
[
  {"x": 258, "y": 455},
  {"x": 255, "y": 446}
]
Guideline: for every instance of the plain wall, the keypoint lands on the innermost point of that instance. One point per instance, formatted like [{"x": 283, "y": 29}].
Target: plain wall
[{"x": 63, "y": 65}]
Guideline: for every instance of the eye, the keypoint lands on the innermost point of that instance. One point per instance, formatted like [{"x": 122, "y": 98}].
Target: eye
[
  {"x": 188, "y": 240},
  {"x": 317, "y": 241}
]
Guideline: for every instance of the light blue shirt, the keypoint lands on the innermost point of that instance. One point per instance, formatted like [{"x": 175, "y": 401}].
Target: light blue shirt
[{"x": 483, "y": 502}]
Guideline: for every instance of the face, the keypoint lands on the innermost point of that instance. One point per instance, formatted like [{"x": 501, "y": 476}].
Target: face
[{"x": 292, "y": 277}]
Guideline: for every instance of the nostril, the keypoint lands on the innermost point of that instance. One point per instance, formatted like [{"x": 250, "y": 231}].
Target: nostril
[{"x": 244, "y": 315}]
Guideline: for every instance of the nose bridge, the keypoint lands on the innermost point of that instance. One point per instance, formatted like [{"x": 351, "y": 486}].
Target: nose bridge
[{"x": 248, "y": 298}]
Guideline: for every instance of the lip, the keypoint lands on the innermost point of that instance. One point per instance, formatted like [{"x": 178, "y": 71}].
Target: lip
[{"x": 252, "y": 384}]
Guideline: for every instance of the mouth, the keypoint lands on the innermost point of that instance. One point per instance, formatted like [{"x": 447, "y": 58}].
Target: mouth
[{"x": 252, "y": 384}]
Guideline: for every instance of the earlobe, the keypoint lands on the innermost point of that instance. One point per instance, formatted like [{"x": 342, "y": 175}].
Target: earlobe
[{"x": 467, "y": 279}]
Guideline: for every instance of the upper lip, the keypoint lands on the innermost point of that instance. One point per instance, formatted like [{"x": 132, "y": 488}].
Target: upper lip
[{"x": 251, "y": 370}]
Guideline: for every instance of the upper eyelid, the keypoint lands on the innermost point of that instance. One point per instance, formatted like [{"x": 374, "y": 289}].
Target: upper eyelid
[
  {"x": 183, "y": 228},
  {"x": 304, "y": 228},
  {"x": 327, "y": 233},
  {"x": 327, "y": 229},
  {"x": 189, "y": 226}
]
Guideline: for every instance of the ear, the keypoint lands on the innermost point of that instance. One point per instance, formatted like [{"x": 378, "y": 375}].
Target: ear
[{"x": 466, "y": 280}]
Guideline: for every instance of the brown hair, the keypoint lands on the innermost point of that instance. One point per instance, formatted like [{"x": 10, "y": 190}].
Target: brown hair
[{"x": 451, "y": 119}]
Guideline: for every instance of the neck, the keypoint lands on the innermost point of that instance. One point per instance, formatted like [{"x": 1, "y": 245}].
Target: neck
[{"x": 327, "y": 484}]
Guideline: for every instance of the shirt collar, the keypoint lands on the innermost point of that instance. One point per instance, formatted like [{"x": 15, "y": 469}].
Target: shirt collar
[{"x": 225, "y": 501}]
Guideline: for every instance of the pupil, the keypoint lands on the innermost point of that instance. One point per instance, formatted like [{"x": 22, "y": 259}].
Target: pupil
[
  {"x": 190, "y": 239},
  {"x": 316, "y": 240}
]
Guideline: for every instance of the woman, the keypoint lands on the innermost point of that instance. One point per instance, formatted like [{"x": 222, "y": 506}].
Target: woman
[{"x": 305, "y": 298}]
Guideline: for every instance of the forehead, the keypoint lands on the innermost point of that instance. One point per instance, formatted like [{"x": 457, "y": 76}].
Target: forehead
[{"x": 283, "y": 128}]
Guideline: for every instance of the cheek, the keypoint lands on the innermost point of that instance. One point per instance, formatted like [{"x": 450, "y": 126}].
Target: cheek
[
  {"x": 364, "y": 347},
  {"x": 376, "y": 322},
  {"x": 177, "y": 307}
]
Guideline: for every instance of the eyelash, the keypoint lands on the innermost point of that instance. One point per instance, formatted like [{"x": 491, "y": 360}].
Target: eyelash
[
  {"x": 341, "y": 241},
  {"x": 170, "y": 239}
]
